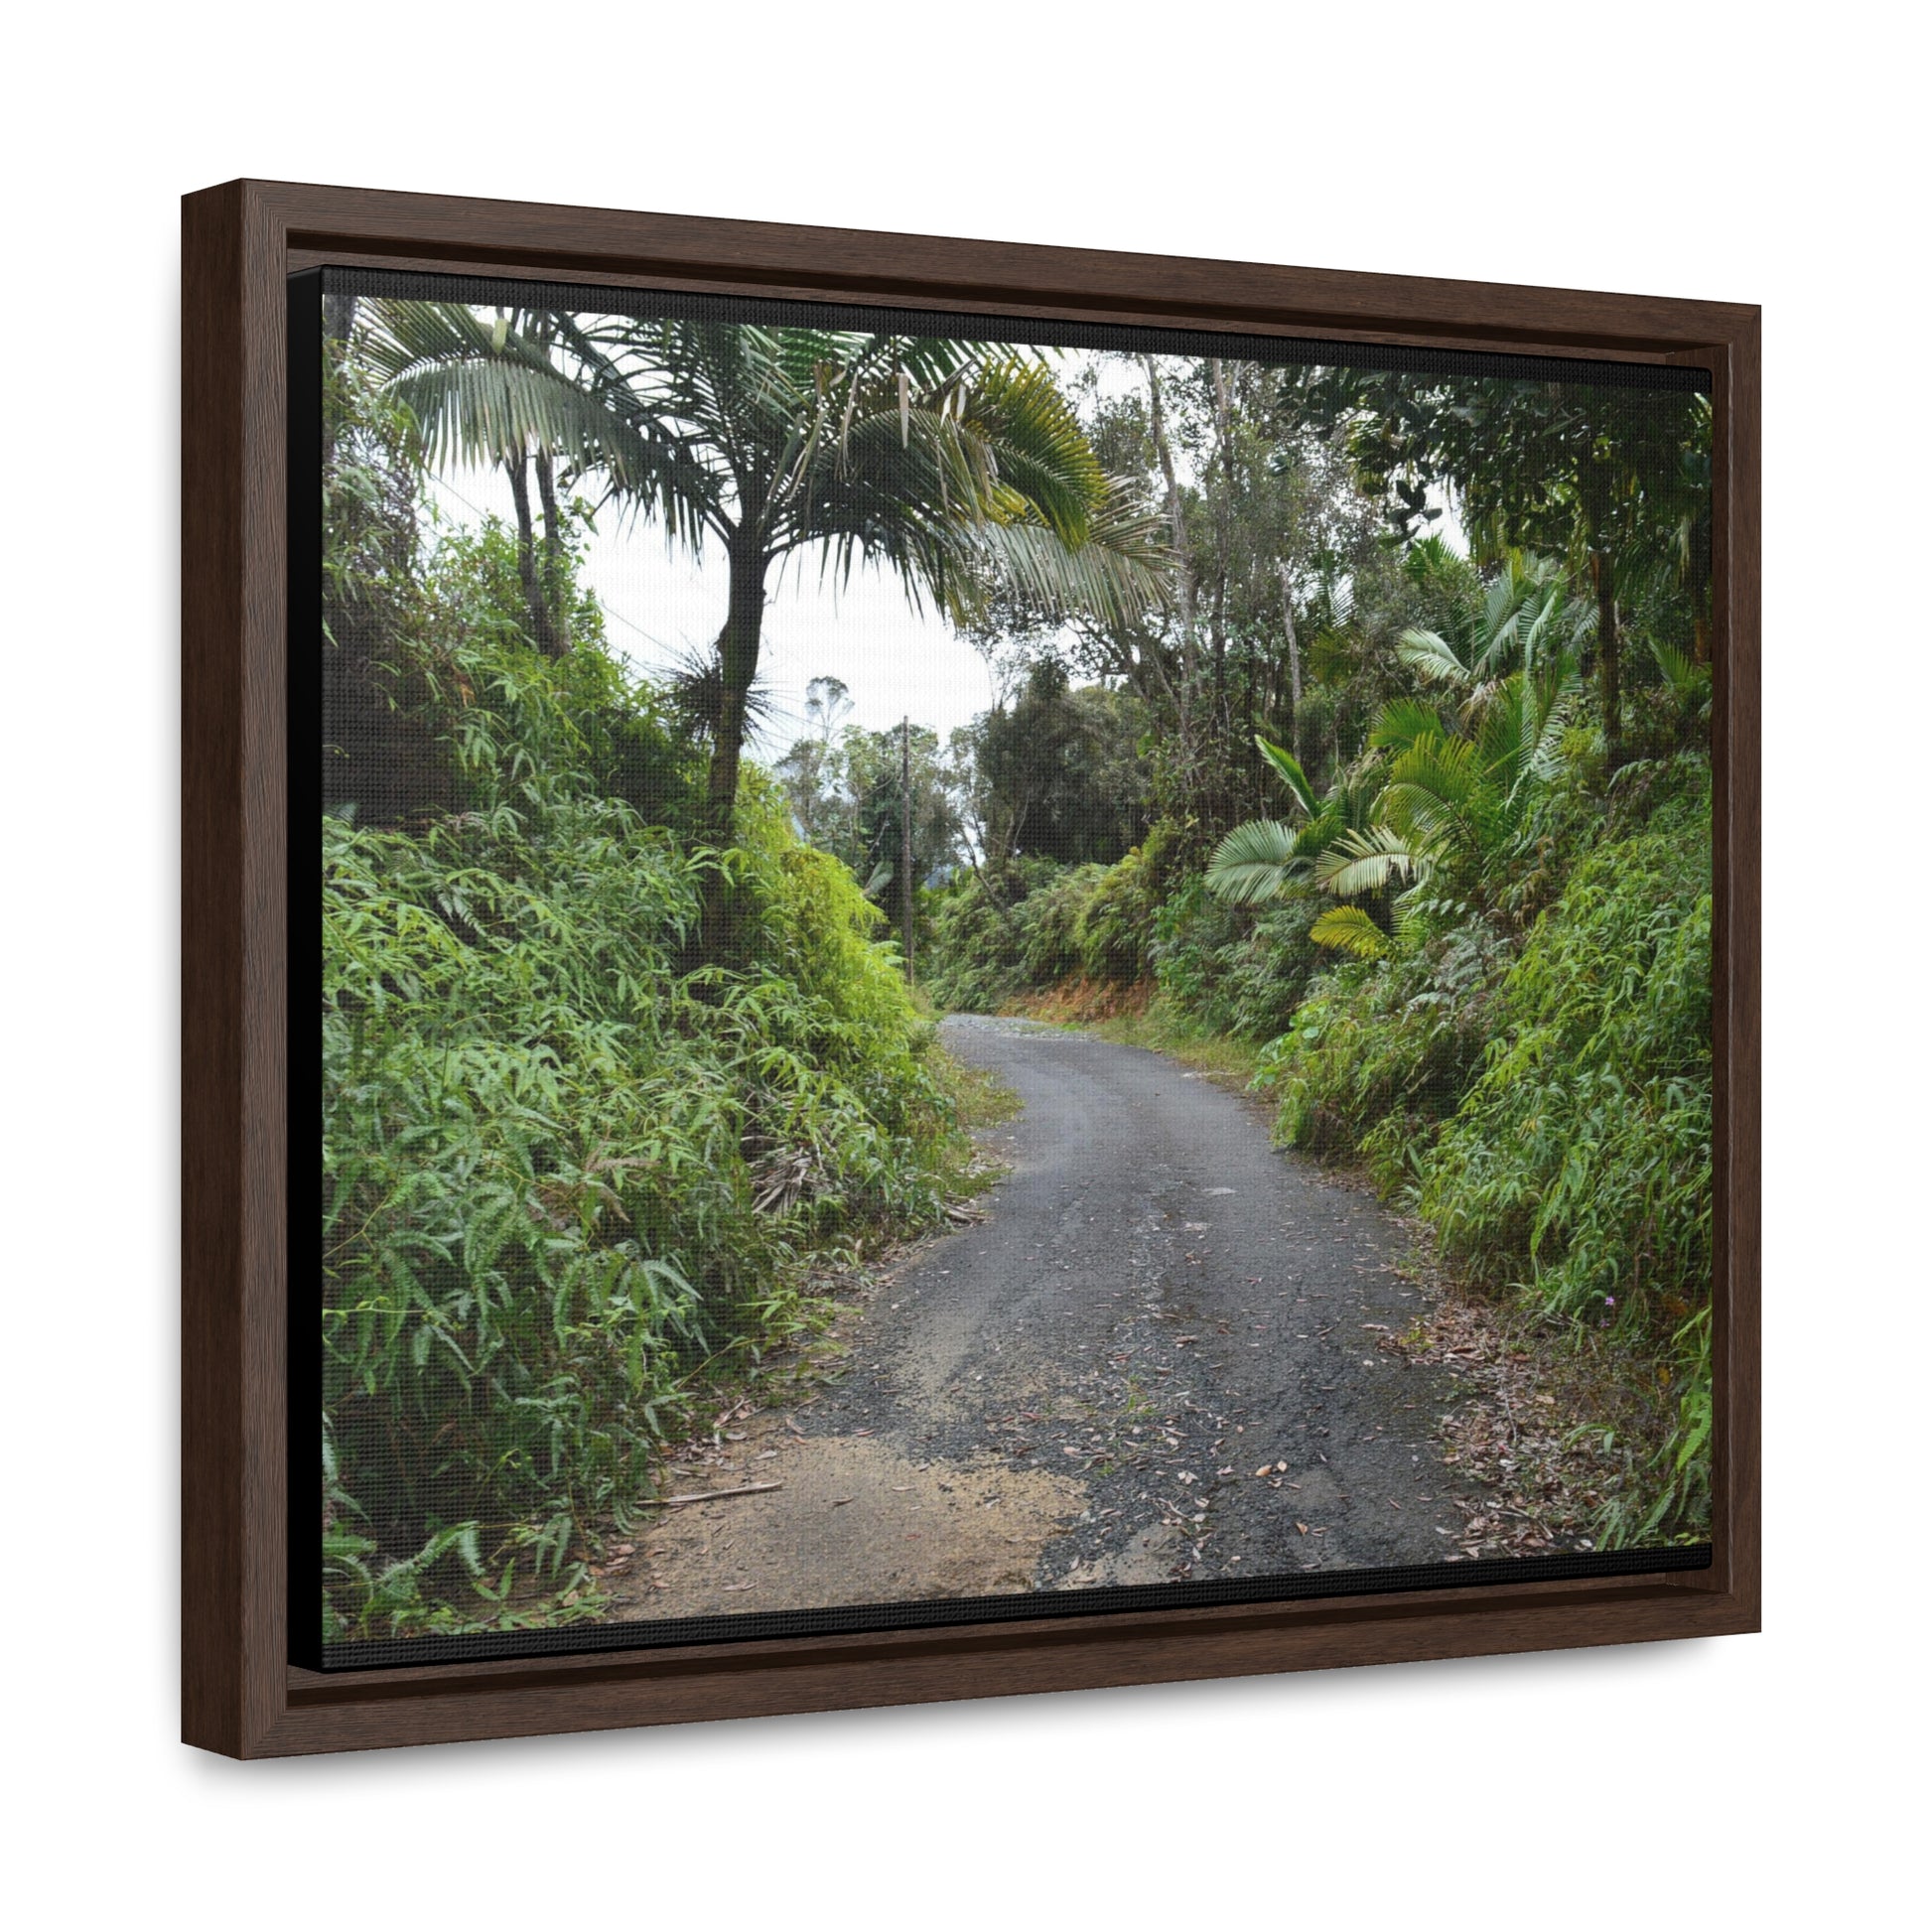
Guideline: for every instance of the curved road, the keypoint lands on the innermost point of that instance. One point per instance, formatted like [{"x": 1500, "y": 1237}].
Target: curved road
[{"x": 1157, "y": 1356}]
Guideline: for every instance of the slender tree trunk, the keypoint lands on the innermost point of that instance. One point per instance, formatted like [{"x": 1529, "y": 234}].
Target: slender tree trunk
[
  {"x": 905, "y": 838},
  {"x": 1223, "y": 516},
  {"x": 1293, "y": 671},
  {"x": 1609, "y": 669},
  {"x": 992, "y": 897},
  {"x": 518, "y": 470},
  {"x": 1184, "y": 572},
  {"x": 552, "y": 573},
  {"x": 338, "y": 323},
  {"x": 738, "y": 665}
]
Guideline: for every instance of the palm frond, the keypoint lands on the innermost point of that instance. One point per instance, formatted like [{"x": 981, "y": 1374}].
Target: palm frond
[
  {"x": 1685, "y": 675},
  {"x": 1352, "y": 930},
  {"x": 1449, "y": 768},
  {"x": 1430, "y": 656},
  {"x": 1402, "y": 721},
  {"x": 1289, "y": 768},
  {"x": 1365, "y": 862},
  {"x": 1255, "y": 862}
]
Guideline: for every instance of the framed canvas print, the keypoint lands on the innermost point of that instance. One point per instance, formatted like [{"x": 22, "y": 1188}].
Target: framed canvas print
[{"x": 1033, "y": 968}]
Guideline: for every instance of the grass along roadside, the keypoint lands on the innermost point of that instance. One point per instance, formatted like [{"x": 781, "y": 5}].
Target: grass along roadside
[{"x": 1138, "y": 1015}]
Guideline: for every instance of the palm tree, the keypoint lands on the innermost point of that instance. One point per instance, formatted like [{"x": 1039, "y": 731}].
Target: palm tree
[
  {"x": 1523, "y": 620},
  {"x": 1453, "y": 803},
  {"x": 1265, "y": 858},
  {"x": 954, "y": 465},
  {"x": 1430, "y": 800}
]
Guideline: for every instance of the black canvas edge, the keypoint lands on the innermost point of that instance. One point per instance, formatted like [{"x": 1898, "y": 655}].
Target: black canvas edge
[
  {"x": 306, "y": 1648},
  {"x": 778, "y": 312},
  {"x": 303, "y": 1073},
  {"x": 930, "y": 1613}
]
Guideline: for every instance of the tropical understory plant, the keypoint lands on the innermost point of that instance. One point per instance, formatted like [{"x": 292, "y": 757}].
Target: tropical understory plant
[{"x": 1441, "y": 792}]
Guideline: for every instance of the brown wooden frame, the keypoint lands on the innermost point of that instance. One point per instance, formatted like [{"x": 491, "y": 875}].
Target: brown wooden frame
[{"x": 240, "y": 1694}]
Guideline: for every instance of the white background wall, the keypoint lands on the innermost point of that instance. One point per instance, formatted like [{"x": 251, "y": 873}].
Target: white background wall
[{"x": 1683, "y": 150}]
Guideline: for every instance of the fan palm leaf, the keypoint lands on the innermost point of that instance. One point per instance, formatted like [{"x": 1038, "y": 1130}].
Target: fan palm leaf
[
  {"x": 1256, "y": 862},
  {"x": 1369, "y": 861}
]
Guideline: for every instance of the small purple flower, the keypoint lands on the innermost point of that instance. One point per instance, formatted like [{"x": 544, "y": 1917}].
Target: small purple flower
[{"x": 1609, "y": 1300}]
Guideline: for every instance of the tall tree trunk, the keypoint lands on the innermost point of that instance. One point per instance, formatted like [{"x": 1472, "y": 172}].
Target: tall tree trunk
[
  {"x": 719, "y": 935},
  {"x": 1183, "y": 570},
  {"x": 553, "y": 571},
  {"x": 1223, "y": 547},
  {"x": 338, "y": 323},
  {"x": 1293, "y": 671},
  {"x": 1609, "y": 669},
  {"x": 738, "y": 665},
  {"x": 905, "y": 837},
  {"x": 518, "y": 470}
]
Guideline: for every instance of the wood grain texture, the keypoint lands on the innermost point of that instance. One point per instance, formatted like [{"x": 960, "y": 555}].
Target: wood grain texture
[
  {"x": 846, "y": 263},
  {"x": 240, "y": 1695},
  {"x": 801, "y": 1674}
]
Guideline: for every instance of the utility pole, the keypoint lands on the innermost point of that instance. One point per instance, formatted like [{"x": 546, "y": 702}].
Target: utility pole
[{"x": 905, "y": 833}]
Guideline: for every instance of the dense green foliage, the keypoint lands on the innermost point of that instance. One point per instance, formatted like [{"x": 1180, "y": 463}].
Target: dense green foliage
[
  {"x": 566, "y": 1159},
  {"x": 617, "y": 1037},
  {"x": 1469, "y": 929}
]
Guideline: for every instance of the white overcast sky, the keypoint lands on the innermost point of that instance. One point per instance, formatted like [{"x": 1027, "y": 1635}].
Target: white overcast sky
[{"x": 661, "y": 606}]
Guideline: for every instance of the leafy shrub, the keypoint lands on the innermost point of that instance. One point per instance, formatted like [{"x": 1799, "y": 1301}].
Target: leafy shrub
[
  {"x": 1052, "y": 917},
  {"x": 1581, "y": 1159},
  {"x": 1059, "y": 921},
  {"x": 1381, "y": 1052},
  {"x": 975, "y": 958},
  {"x": 1232, "y": 969},
  {"x": 559, "y": 1168},
  {"x": 1115, "y": 928}
]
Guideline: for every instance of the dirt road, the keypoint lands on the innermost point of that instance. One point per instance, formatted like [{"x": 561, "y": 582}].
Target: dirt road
[{"x": 1156, "y": 1357}]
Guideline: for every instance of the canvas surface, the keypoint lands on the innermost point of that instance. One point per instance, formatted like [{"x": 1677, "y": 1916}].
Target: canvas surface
[{"x": 975, "y": 972}]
